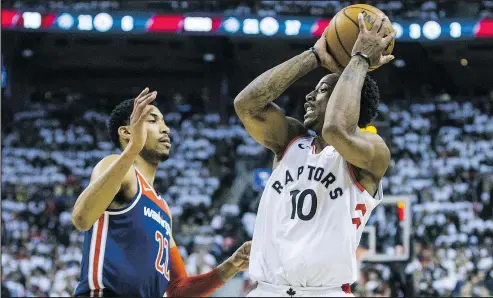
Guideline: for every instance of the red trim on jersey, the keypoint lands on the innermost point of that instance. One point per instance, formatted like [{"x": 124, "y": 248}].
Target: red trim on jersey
[
  {"x": 314, "y": 148},
  {"x": 289, "y": 144},
  {"x": 148, "y": 191},
  {"x": 181, "y": 285},
  {"x": 356, "y": 221},
  {"x": 346, "y": 288},
  {"x": 362, "y": 208},
  {"x": 353, "y": 177},
  {"x": 97, "y": 253}
]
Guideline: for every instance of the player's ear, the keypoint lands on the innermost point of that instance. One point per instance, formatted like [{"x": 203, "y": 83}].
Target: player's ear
[{"x": 124, "y": 132}]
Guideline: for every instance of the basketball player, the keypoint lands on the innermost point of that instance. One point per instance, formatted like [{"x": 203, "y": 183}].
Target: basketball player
[
  {"x": 323, "y": 187},
  {"x": 129, "y": 248}
]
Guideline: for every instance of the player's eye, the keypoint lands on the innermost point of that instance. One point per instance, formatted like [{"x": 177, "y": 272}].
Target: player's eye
[{"x": 152, "y": 121}]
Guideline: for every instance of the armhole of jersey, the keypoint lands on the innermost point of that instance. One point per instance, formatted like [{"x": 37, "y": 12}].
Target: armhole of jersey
[
  {"x": 353, "y": 177},
  {"x": 378, "y": 194},
  {"x": 289, "y": 145},
  {"x": 131, "y": 204}
]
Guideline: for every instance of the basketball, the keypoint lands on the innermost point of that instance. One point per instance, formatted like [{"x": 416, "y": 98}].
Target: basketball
[{"x": 343, "y": 31}]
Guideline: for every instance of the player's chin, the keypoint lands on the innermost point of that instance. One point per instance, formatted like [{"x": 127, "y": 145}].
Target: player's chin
[
  {"x": 163, "y": 155},
  {"x": 309, "y": 122}
]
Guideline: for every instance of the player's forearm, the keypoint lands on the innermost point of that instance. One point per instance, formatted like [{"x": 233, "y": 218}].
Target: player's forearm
[
  {"x": 343, "y": 108},
  {"x": 272, "y": 83},
  {"x": 96, "y": 198},
  {"x": 227, "y": 270},
  {"x": 202, "y": 285}
]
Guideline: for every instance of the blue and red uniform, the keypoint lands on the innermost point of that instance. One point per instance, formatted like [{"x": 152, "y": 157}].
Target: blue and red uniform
[{"x": 127, "y": 251}]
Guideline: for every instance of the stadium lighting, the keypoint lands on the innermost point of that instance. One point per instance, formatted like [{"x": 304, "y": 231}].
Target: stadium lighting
[
  {"x": 209, "y": 57},
  {"x": 250, "y": 26},
  {"x": 269, "y": 26},
  {"x": 231, "y": 25},
  {"x": 85, "y": 22},
  {"x": 32, "y": 20},
  {"x": 415, "y": 31},
  {"x": 398, "y": 30},
  {"x": 198, "y": 24},
  {"x": 65, "y": 21},
  {"x": 455, "y": 30},
  {"x": 103, "y": 22},
  {"x": 127, "y": 23},
  {"x": 432, "y": 30},
  {"x": 292, "y": 27}
]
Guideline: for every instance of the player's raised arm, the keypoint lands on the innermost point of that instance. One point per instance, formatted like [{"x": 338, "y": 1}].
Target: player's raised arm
[
  {"x": 112, "y": 173},
  {"x": 203, "y": 285},
  {"x": 255, "y": 107},
  {"x": 364, "y": 150}
]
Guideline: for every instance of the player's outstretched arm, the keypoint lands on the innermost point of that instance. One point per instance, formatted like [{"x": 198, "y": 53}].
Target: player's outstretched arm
[
  {"x": 255, "y": 107},
  {"x": 113, "y": 173},
  {"x": 204, "y": 285},
  {"x": 364, "y": 150}
]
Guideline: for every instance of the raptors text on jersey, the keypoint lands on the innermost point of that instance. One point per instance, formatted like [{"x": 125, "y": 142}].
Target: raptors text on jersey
[{"x": 310, "y": 220}]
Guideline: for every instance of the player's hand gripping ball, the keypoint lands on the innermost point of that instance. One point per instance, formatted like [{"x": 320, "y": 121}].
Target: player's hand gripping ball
[{"x": 343, "y": 30}]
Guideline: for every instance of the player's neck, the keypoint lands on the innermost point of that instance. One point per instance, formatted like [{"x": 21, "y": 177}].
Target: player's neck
[
  {"x": 320, "y": 144},
  {"x": 147, "y": 169}
]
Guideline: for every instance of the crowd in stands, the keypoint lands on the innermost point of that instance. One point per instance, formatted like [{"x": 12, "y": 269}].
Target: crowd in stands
[
  {"x": 442, "y": 156},
  {"x": 48, "y": 153},
  {"x": 429, "y": 9}
]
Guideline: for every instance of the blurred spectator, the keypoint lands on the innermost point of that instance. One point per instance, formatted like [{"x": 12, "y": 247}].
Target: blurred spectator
[
  {"x": 47, "y": 162},
  {"x": 442, "y": 156}
]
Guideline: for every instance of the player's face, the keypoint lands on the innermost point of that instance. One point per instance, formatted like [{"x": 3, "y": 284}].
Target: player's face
[
  {"x": 316, "y": 102},
  {"x": 158, "y": 142}
]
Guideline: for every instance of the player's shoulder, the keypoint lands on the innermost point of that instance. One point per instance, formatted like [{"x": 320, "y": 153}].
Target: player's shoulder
[
  {"x": 105, "y": 163},
  {"x": 382, "y": 152},
  {"x": 295, "y": 127},
  {"x": 296, "y": 130},
  {"x": 301, "y": 141}
]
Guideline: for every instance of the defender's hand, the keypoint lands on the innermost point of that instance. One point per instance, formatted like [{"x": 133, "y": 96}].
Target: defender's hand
[
  {"x": 372, "y": 42},
  {"x": 241, "y": 258},
  {"x": 139, "y": 114},
  {"x": 327, "y": 60}
]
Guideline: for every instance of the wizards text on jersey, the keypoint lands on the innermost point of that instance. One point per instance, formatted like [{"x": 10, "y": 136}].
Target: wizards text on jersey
[{"x": 158, "y": 218}]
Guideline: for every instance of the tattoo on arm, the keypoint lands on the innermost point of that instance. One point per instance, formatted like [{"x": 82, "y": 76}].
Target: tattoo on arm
[
  {"x": 343, "y": 108},
  {"x": 272, "y": 83}
]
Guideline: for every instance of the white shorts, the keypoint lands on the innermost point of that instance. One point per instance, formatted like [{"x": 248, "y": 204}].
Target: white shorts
[{"x": 270, "y": 290}]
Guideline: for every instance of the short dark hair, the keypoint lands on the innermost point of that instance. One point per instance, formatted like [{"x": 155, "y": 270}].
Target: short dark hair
[
  {"x": 370, "y": 99},
  {"x": 120, "y": 116}
]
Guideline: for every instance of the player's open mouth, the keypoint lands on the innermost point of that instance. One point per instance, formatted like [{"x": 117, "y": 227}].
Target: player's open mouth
[{"x": 309, "y": 111}]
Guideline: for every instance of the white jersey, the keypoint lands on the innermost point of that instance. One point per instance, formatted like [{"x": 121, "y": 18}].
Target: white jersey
[{"x": 310, "y": 220}]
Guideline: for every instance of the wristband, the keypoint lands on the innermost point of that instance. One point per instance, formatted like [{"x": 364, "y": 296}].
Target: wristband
[
  {"x": 319, "y": 62},
  {"x": 364, "y": 56}
]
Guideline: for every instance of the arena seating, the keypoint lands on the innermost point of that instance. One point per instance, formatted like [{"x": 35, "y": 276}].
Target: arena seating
[
  {"x": 47, "y": 162},
  {"x": 441, "y": 152},
  {"x": 442, "y": 155}
]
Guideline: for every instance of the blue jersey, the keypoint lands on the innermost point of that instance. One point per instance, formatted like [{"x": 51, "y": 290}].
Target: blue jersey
[{"x": 127, "y": 250}]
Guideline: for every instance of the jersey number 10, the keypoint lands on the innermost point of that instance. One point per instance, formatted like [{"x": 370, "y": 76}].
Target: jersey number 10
[
  {"x": 163, "y": 247},
  {"x": 297, "y": 203}
]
